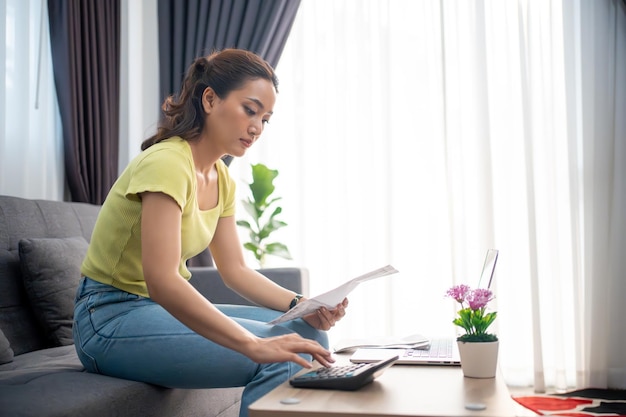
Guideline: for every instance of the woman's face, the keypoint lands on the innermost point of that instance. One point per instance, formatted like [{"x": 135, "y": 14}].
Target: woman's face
[{"x": 235, "y": 122}]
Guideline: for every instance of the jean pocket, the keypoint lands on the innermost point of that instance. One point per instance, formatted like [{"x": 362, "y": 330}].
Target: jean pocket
[{"x": 105, "y": 310}]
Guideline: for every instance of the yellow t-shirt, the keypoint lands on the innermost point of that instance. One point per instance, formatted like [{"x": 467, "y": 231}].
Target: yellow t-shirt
[{"x": 114, "y": 254}]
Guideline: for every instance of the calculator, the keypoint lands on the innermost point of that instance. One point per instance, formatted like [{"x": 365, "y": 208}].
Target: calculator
[{"x": 343, "y": 377}]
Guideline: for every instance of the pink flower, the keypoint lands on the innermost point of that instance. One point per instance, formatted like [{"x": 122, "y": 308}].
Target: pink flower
[
  {"x": 473, "y": 318},
  {"x": 479, "y": 298},
  {"x": 458, "y": 292}
]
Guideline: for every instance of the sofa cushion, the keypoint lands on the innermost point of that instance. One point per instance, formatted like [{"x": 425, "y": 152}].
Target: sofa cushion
[
  {"x": 17, "y": 320},
  {"x": 51, "y": 272},
  {"x": 6, "y": 353},
  {"x": 24, "y": 218}
]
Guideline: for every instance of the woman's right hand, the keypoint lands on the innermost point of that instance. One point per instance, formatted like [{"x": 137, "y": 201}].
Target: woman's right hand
[{"x": 285, "y": 348}]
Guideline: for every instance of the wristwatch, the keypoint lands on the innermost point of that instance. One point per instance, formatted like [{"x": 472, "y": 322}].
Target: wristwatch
[{"x": 295, "y": 300}]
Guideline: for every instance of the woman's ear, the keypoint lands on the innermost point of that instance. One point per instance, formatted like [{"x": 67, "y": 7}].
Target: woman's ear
[{"x": 208, "y": 99}]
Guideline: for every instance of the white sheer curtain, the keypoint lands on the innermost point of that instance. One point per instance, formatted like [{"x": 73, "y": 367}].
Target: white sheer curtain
[
  {"x": 31, "y": 150},
  {"x": 601, "y": 125},
  {"x": 422, "y": 133}
]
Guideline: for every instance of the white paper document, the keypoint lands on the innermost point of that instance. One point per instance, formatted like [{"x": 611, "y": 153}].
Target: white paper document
[
  {"x": 331, "y": 298},
  {"x": 414, "y": 341}
]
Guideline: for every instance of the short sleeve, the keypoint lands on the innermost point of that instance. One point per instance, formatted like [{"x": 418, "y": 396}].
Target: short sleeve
[{"x": 166, "y": 170}]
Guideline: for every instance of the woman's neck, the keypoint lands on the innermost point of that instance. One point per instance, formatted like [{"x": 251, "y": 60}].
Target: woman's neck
[{"x": 203, "y": 159}]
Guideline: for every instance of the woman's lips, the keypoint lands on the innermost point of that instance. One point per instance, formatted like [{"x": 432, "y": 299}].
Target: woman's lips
[{"x": 246, "y": 142}]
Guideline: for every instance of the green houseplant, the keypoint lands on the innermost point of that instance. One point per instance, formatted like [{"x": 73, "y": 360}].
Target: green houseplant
[
  {"x": 262, "y": 208},
  {"x": 477, "y": 348},
  {"x": 472, "y": 317}
]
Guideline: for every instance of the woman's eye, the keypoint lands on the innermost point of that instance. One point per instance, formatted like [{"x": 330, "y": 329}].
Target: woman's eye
[
  {"x": 266, "y": 121},
  {"x": 249, "y": 111}
]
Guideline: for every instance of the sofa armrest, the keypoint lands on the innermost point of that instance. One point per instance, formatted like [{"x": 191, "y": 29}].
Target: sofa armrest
[{"x": 207, "y": 280}]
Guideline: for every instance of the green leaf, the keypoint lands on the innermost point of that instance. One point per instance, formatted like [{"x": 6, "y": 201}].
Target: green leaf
[
  {"x": 251, "y": 210},
  {"x": 270, "y": 227},
  {"x": 474, "y": 322},
  {"x": 278, "y": 249},
  {"x": 277, "y": 211},
  {"x": 262, "y": 185},
  {"x": 254, "y": 249},
  {"x": 244, "y": 223}
]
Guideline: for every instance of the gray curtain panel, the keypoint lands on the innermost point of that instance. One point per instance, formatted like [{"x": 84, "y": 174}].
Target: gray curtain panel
[
  {"x": 85, "y": 44},
  {"x": 192, "y": 28}
]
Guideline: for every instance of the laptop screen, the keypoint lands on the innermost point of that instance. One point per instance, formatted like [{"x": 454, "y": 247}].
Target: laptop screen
[{"x": 489, "y": 267}]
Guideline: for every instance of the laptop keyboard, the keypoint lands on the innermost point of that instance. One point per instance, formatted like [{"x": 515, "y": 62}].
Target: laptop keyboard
[{"x": 439, "y": 348}]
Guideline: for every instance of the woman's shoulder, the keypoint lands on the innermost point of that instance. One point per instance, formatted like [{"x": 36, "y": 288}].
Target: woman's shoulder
[
  {"x": 172, "y": 150},
  {"x": 163, "y": 167},
  {"x": 175, "y": 143}
]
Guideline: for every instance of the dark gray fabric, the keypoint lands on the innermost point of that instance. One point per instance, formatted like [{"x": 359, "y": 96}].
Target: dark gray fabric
[
  {"x": 204, "y": 258},
  {"x": 24, "y": 218},
  {"x": 6, "y": 353},
  {"x": 207, "y": 280},
  {"x": 85, "y": 45},
  {"x": 51, "y": 272},
  {"x": 17, "y": 320},
  {"x": 52, "y": 382},
  {"x": 189, "y": 29}
]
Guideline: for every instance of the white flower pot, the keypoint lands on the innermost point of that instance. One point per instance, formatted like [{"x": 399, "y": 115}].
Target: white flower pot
[{"x": 479, "y": 359}]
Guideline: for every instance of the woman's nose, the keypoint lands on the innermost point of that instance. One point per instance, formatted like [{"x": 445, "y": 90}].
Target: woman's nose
[{"x": 256, "y": 130}]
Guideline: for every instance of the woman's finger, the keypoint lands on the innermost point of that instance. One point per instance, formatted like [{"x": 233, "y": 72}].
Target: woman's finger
[
  {"x": 326, "y": 318},
  {"x": 326, "y": 361}
]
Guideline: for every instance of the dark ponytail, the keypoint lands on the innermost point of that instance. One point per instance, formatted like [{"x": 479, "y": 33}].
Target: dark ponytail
[{"x": 224, "y": 72}]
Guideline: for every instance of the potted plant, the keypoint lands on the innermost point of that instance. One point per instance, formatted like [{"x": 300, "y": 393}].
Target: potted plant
[
  {"x": 477, "y": 347},
  {"x": 263, "y": 211}
]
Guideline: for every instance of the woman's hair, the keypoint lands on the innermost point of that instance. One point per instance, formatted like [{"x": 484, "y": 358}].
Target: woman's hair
[{"x": 223, "y": 71}]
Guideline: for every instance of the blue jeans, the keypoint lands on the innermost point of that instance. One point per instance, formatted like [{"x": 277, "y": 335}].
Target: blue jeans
[{"x": 132, "y": 337}]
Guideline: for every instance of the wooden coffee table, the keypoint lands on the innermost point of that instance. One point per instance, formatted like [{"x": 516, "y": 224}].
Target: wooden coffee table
[{"x": 402, "y": 390}]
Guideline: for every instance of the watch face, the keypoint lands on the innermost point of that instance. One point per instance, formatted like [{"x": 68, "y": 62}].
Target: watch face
[{"x": 295, "y": 301}]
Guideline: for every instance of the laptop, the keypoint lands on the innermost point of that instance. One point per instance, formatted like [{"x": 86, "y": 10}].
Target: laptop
[{"x": 440, "y": 351}]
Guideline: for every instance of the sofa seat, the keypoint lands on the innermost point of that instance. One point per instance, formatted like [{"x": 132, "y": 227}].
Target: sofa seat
[{"x": 54, "y": 383}]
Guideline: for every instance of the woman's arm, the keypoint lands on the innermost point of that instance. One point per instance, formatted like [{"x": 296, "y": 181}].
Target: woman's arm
[
  {"x": 227, "y": 253},
  {"x": 161, "y": 248}
]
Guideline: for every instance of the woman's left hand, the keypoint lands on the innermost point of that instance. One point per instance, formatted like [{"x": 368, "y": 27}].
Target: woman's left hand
[{"x": 324, "y": 319}]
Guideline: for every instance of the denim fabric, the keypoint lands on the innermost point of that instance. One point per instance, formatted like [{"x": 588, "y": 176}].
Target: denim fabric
[{"x": 132, "y": 337}]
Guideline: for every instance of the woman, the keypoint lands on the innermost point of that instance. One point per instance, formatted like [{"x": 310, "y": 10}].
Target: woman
[{"x": 136, "y": 315}]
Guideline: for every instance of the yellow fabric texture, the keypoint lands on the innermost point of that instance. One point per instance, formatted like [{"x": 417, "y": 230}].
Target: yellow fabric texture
[{"x": 114, "y": 254}]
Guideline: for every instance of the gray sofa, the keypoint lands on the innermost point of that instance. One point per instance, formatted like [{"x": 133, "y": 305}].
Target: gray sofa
[{"x": 41, "y": 246}]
